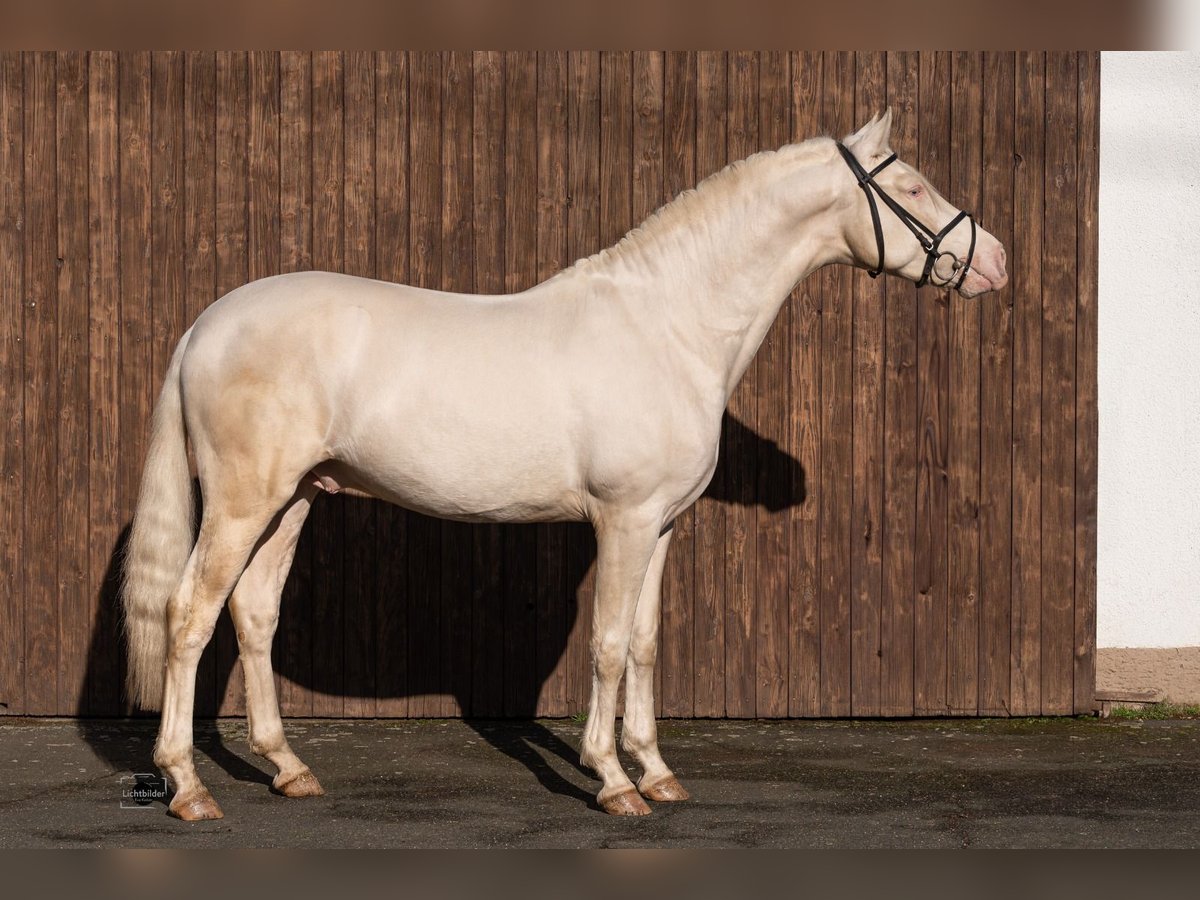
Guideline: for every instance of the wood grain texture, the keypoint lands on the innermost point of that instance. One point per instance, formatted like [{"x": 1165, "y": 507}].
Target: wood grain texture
[
  {"x": 74, "y": 605},
  {"x": 490, "y": 587},
  {"x": 930, "y": 605},
  {"x": 136, "y": 388},
  {"x": 12, "y": 370},
  {"x": 677, "y": 642},
  {"x": 553, "y": 601},
  {"x": 518, "y": 550},
  {"x": 837, "y": 422},
  {"x": 900, "y": 430},
  {"x": 647, "y": 175},
  {"x": 804, "y": 435},
  {"x": 1059, "y": 297},
  {"x": 1025, "y": 691},
  {"x": 1087, "y": 264},
  {"x": 219, "y": 167},
  {"x": 197, "y": 188},
  {"x": 709, "y": 625},
  {"x": 996, "y": 398},
  {"x": 359, "y": 258},
  {"x": 583, "y": 239},
  {"x": 392, "y": 264},
  {"x": 962, "y": 460},
  {"x": 741, "y": 519},
  {"x": 866, "y": 515},
  {"x": 903, "y": 518},
  {"x": 327, "y": 520},
  {"x": 425, "y": 260},
  {"x": 294, "y": 644},
  {"x": 104, "y": 384},
  {"x": 40, "y": 387},
  {"x": 772, "y": 401}
]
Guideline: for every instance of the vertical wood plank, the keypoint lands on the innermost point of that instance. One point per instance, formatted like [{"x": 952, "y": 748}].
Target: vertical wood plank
[
  {"x": 136, "y": 388},
  {"x": 648, "y": 192},
  {"x": 804, "y": 606},
  {"x": 12, "y": 404},
  {"x": 72, "y": 348},
  {"x": 930, "y": 609},
  {"x": 42, "y": 494},
  {"x": 359, "y": 255},
  {"x": 169, "y": 301},
  {"x": 198, "y": 209},
  {"x": 963, "y": 447},
  {"x": 741, "y": 519},
  {"x": 995, "y": 392},
  {"x": 900, "y": 430},
  {"x": 1058, "y": 385},
  {"x": 1086, "y": 356},
  {"x": 771, "y": 594},
  {"x": 104, "y": 384},
  {"x": 231, "y": 266},
  {"x": 294, "y": 646},
  {"x": 709, "y": 606},
  {"x": 1028, "y": 202},
  {"x": 553, "y": 628},
  {"x": 583, "y": 239},
  {"x": 837, "y": 413},
  {"x": 328, "y": 516},
  {"x": 262, "y": 165},
  {"x": 866, "y": 516},
  {"x": 457, "y": 275},
  {"x": 676, "y": 658},
  {"x": 392, "y": 246},
  {"x": 616, "y": 162},
  {"x": 425, "y": 259},
  {"x": 491, "y": 585},
  {"x": 519, "y": 228}
]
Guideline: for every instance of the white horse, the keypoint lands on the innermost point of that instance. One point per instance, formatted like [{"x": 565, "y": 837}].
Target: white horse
[{"x": 596, "y": 395}]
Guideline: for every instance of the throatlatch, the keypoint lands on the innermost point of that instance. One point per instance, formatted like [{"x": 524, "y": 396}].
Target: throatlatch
[{"x": 929, "y": 239}]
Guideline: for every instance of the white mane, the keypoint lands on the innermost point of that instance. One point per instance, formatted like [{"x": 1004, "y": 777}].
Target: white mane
[{"x": 691, "y": 205}]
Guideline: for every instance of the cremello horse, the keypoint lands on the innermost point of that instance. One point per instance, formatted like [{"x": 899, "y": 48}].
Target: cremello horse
[{"x": 596, "y": 395}]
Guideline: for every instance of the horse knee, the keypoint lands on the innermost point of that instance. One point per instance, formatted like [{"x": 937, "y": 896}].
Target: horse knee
[{"x": 608, "y": 658}]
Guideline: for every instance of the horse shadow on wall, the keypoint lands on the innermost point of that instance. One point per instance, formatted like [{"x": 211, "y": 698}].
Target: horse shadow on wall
[{"x": 439, "y": 575}]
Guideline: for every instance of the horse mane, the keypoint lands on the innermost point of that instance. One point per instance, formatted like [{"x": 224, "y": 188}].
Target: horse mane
[{"x": 688, "y": 205}]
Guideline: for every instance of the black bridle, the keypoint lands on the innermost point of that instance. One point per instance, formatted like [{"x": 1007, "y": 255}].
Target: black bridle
[{"x": 929, "y": 239}]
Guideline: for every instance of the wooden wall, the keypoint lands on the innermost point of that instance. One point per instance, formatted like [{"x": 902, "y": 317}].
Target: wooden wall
[{"x": 904, "y": 519}]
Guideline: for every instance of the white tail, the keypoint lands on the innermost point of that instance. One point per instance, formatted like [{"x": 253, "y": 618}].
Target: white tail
[{"x": 160, "y": 541}]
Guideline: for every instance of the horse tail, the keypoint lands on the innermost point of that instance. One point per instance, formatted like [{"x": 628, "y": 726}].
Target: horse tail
[{"x": 160, "y": 542}]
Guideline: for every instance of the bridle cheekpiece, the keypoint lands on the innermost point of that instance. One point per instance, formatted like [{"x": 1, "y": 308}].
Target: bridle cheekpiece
[{"x": 929, "y": 239}]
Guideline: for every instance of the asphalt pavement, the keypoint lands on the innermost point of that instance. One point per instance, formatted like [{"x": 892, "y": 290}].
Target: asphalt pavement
[{"x": 448, "y": 783}]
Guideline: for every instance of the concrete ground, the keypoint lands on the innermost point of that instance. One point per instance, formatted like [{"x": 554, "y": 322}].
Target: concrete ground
[{"x": 926, "y": 783}]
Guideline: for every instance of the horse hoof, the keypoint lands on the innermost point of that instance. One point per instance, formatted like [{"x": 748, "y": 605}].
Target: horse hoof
[
  {"x": 669, "y": 790},
  {"x": 195, "y": 807},
  {"x": 626, "y": 803},
  {"x": 304, "y": 784}
]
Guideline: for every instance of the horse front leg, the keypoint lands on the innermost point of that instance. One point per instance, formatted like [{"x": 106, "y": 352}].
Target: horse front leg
[
  {"x": 639, "y": 734},
  {"x": 625, "y": 545}
]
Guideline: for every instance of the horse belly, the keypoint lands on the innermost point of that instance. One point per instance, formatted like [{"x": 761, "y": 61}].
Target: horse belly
[{"x": 469, "y": 481}]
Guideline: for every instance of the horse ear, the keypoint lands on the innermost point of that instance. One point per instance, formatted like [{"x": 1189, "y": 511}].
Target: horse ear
[{"x": 872, "y": 139}]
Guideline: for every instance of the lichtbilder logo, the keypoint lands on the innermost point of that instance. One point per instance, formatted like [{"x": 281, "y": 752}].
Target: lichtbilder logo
[{"x": 141, "y": 790}]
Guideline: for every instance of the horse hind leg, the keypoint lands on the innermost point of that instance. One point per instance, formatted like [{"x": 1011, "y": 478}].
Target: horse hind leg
[
  {"x": 254, "y": 608},
  {"x": 216, "y": 561}
]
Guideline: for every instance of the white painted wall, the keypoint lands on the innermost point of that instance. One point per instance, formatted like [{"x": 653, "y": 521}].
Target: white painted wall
[{"x": 1149, "y": 505}]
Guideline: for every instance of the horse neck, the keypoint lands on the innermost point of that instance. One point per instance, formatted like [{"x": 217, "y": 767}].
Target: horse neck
[{"x": 732, "y": 261}]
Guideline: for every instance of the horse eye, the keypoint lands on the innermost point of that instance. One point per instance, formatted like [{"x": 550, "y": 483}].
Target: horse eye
[{"x": 915, "y": 192}]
